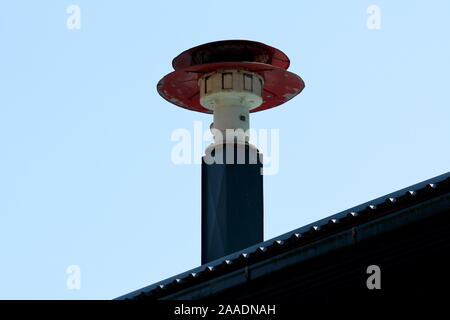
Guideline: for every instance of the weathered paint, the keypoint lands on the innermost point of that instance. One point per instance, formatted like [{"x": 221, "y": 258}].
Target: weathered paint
[{"x": 181, "y": 86}]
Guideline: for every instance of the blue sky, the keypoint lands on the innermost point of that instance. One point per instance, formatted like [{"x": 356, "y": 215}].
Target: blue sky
[{"x": 86, "y": 176}]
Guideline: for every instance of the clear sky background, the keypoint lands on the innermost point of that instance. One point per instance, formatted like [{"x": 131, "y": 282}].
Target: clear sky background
[{"x": 86, "y": 176}]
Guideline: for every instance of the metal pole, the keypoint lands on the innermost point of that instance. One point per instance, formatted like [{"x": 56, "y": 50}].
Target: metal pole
[{"x": 232, "y": 183}]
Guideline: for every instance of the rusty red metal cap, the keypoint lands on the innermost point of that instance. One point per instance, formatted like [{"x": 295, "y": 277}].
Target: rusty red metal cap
[
  {"x": 181, "y": 86},
  {"x": 231, "y": 51}
]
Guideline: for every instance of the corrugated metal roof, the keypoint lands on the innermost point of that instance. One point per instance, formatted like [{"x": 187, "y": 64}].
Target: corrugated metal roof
[{"x": 365, "y": 212}]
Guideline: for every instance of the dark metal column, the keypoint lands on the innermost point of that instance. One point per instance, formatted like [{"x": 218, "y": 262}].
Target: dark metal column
[{"x": 232, "y": 207}]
